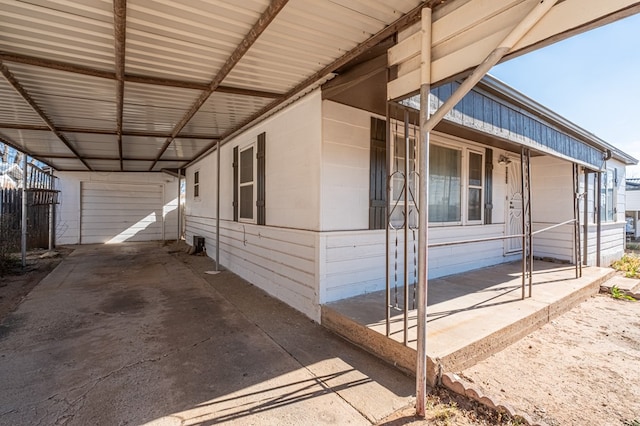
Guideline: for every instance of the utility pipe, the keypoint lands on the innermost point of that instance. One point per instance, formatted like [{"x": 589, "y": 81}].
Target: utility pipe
[{"x": 423, "y": 215}]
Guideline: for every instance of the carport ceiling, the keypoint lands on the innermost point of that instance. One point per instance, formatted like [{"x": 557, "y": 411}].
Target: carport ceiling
[{"x": 147, "y": 85}]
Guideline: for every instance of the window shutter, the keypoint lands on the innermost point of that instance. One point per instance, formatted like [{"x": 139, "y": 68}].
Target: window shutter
[
  {"x": 261, "y": 177},
  {"x": 235, "y": 184},
  {"x": 378, "y": 175},
  {"x": 488, "y": 185}
]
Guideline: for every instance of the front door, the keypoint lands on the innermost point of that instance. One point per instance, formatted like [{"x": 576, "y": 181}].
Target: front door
[{"x": 513, "y": 215}]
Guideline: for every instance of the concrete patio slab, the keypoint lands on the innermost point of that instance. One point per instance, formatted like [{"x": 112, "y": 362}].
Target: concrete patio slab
[
  {"x": 130, "y": 334},
  {"x": 470, "y": 315}
]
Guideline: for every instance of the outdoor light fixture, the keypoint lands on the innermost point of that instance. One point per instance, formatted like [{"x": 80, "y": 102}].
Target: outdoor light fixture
[{"x": 503, "y": 160}]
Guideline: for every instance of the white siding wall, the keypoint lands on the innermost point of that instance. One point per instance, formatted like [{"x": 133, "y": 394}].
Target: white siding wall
[
  {"x": 346, "y": 143},
  {"x": 613, "y": 233},
  {"x": 68, "y": 211},
  {"x": 353, "y": 263},
  {"x": 280, "y": 257},
  {"x": 280, "y": 261},
  {"x": 552, "y": 203}
]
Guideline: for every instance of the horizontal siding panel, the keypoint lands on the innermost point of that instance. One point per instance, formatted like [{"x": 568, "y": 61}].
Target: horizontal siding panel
[{"x": 280, "y": 261}]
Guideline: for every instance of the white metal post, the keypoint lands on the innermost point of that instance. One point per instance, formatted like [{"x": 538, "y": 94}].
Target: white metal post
[
  {"x": 423, "y": 216},
  {"x": 23, "y": 242},
  {"x": 218, "y": 208}
]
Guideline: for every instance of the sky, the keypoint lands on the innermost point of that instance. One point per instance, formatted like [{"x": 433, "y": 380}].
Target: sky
[{"x": 592, "y": 79}]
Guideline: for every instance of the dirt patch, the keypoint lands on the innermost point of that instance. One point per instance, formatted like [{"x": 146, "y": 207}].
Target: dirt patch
[
  {"x": 17, "y": 283},
  {"x": 581, "y": 368}
]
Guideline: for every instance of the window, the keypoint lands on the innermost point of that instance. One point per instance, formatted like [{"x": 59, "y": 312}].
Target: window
[
  {"x": 196, "y": 184},
  {"x": 246, "y": 195},
  {"x": 249, "y": 182},
  {"x": 607, "y": 195},
  {"x": 456, "y": 183},
  {"x": 474, "y": 191},
  {"x": 445, "y": 178}
]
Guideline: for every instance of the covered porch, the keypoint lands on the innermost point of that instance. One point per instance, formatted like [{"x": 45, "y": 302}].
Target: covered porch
[{"x": 470, "y": 315}]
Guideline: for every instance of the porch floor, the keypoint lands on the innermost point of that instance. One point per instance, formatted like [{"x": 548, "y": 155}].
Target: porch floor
[{"x": 469, "y": 315}]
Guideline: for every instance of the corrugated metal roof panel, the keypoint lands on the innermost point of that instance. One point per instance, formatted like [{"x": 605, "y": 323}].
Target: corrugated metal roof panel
[
  {"x": 158, "y": 108},
  {"x": 135, "y": 147},
  {"x": 134, "y": 165},
  {"x": 14, "y": 109},
  {"x": 222, "y": 112},
  {"x": 70, "y": 99},
  {"x": 105, "y": 165},
  {"x": 69, "y": 164},
  {"x": 77, "y": 32},
  {"x": 94, "y": 145},
  {"x": 37, "y": 142},
  {"x": 167, "y": 165},
  {"x": 313, "y": 34},
  {"x": 185, "y": 148},
  {"x": 190, "y": 39}
]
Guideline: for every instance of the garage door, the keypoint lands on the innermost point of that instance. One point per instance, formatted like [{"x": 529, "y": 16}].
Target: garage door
[{"x": 117, "y": 212}]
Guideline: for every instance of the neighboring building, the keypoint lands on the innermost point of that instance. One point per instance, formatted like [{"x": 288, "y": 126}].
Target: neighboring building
[
  {"x": 302, "y": 193},
  {"x": 633, "y": 208}
]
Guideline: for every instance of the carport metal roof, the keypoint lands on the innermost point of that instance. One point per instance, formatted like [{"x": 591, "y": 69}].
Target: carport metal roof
[{"x": 141, "y": 85}]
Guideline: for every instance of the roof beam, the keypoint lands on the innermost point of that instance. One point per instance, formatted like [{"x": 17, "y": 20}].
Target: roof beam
[
  {"x": 93, "y": 158},
  {"x": 129, "y": 78},
  {"x": 404, "y": 21},
  {"x": 28, "y": 99},
  {"x": 134, "y": 133},
  {"x": 119, "y": 35},
  {"x": 275, "y": 6}
]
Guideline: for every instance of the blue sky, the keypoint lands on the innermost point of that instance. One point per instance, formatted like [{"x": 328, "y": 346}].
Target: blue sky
[{"x": 592, "y": 79}]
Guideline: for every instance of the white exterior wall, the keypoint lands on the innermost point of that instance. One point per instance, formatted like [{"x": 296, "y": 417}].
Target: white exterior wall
[
  {"x": 552, "y": 203},
  {"x": 280, "y": 257},
  {"x": 316, "y": 246},
  {"x": 68, "y": 211},
  {"x": 612, "y": 237},
  {"x": 352, "y": 257},
  {"x": 632, "y": 199},
  {"x": 346, "y": 133}
]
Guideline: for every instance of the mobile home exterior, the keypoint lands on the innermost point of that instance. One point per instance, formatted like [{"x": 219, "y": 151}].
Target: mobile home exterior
[{"x": 297, "y": 190}]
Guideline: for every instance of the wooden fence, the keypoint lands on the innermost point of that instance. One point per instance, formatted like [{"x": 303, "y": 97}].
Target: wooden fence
[{"x": 37, "y": 218}]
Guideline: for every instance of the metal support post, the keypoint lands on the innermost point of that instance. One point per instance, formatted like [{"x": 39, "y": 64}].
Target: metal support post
[
  {"x": 585, "y": 253},
  {"x": 52, "y": 218},
  {"x": 179, "y": 236},
  {"x": 23, "y": 241},
  {"x": 218, "y": 207},
  {"x": 598, "y": 208},
  {"x": 524, "y": 221},
  {"x": 405, "y": 262},
  {"x": 576, "y": 217},
  {"x": 529, "y": 220},
  {"x": 523, "y": 27},
  {"x": 388, "y": 216},
  {"x": 423, "y": 215}
]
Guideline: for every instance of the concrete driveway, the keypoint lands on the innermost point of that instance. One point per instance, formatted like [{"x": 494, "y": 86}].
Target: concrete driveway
[{"x": 132, "y": 334}]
